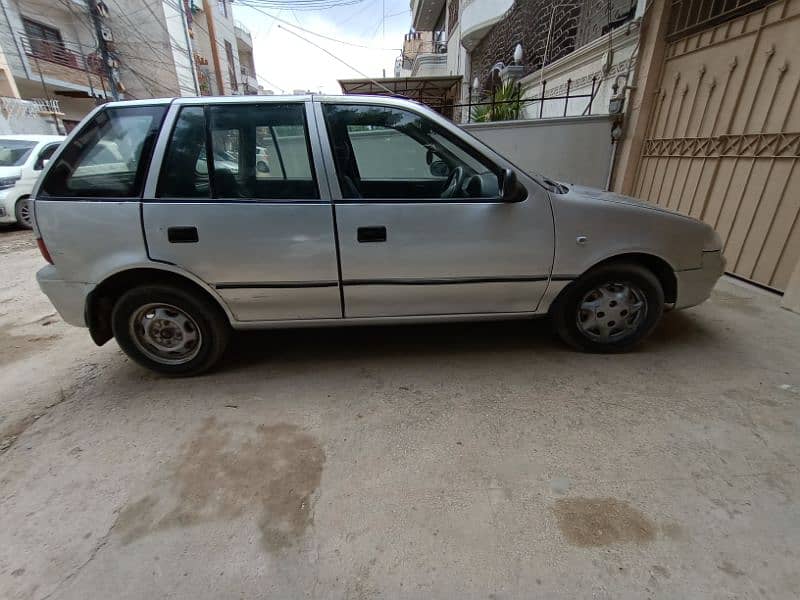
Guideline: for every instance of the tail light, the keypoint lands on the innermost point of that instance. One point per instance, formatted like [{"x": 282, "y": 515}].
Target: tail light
[{"x": 43, "y": 249}]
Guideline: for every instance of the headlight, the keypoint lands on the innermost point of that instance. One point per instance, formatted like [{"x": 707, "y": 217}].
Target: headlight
[
  {"x": 7, "y": 182},
  {"x": 713, "y": 243}
]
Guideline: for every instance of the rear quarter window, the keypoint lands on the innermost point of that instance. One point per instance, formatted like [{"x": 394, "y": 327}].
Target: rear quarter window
[{"x": 108, "y": 157}]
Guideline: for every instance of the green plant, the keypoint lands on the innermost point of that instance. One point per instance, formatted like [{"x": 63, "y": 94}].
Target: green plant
[{"x": 503, "y": 105}]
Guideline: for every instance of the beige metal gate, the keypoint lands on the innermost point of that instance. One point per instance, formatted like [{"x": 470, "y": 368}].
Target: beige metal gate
[{"x": 723, "y": 142}]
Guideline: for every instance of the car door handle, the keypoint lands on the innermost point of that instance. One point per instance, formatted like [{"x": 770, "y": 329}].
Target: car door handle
[
  {"x": 182, "y": 235},
  {"x": 372, "y": 234}
]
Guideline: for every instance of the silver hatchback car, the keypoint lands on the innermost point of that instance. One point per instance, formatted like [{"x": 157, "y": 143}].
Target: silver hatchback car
[{"x": 163, "y": 232}]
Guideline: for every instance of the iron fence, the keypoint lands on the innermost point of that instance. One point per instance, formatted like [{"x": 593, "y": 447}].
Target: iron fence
[{"x": 448, "y": 109}]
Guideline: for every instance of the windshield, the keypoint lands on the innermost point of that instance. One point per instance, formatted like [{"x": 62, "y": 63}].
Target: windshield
[{"x": 14, "y": 152}]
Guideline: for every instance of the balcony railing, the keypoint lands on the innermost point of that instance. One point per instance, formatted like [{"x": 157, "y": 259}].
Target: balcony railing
[
  {"x": 67, "y": 54},
  {"x": 427, "y": 47},
  {"x": 429, "y": 64},
  {"x": 13, "y": 108}
]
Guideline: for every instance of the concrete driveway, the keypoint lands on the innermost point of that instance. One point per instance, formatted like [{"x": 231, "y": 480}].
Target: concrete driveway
[{"x": 457, "y": 461}]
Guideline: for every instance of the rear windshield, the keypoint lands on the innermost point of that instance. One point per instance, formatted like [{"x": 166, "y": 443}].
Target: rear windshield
[
  {"x": 108, "y": 157},
  {"x": 14, "y": 152}
]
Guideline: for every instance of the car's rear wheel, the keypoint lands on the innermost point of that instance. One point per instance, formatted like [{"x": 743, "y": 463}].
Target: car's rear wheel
[
  {"x": 23, "y": 211},
  {"x": 169, "y": 329},
  {"x": 609, "y": 309}
]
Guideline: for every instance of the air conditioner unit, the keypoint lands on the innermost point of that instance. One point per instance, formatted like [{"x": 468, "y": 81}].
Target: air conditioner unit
[{"x": 106, "y": 34}]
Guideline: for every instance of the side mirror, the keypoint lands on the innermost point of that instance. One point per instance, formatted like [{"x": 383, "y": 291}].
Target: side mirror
[
  {"x": 510, "y": 189},
  {"x": 439, "y": 168}
]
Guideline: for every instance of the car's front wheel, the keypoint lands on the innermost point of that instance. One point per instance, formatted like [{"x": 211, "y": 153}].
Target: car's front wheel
[
  {"x": 169, "y": 329},
  {"x": 609, "y": 309},
  {"x": 23, "y": 211}
]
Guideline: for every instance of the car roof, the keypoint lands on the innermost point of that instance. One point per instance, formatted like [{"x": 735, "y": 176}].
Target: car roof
[
  {"x": 354, "y": 98},
  {"x": 33, "y": 137}
]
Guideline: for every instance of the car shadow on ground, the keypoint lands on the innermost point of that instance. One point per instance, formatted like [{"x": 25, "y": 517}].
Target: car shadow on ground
[
  {"x": 388, "y": 341},
  {"x": 316, "y": 346}
]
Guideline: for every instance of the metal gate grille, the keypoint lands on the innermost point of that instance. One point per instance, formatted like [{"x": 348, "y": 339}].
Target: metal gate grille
[{"x": 723, "y": 142}]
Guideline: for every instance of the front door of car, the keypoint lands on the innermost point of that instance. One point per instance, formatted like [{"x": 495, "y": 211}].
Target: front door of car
[
  {"x": 421, "y": 227},
  {"x": 263, "y": 237}
]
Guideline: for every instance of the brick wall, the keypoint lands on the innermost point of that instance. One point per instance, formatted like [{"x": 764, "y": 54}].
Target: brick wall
[
  {"x": 596, "y": 16},
  {"x": 528, "y": 21}
]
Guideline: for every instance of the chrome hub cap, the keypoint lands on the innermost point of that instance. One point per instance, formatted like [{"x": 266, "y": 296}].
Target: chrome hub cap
[
  {"x": 611, "y": 311},
  {"x": 165, "y": 334}
]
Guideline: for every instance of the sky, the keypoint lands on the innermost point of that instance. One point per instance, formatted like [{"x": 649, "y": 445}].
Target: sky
[{"x": 285, "y": 62}]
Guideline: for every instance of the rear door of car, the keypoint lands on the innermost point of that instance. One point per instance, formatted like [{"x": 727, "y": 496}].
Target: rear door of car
[{"x": 263, "y": 239}]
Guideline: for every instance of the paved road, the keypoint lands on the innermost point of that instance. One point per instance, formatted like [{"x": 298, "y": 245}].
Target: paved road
[{"x": 458, "y": 461}]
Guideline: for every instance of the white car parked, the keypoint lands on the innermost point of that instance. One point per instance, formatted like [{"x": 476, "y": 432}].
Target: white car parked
[{"x": 22, "y": 158}]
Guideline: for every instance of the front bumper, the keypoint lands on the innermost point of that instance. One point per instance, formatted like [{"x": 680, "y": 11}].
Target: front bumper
[
  {"x": 69, "y": 298},
  {"x": 695, "y": 285},
  {"x": 6, "y": 208}
]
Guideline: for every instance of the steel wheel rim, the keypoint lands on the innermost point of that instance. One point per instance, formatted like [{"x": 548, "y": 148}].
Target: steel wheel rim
[
  {"x": 24, "y": 212},
  {"x": 611, "y": 311},
  {"x": 165, "y": 333}
]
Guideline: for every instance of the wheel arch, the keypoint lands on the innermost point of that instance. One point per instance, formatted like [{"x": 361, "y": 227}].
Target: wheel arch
[
  {"x": 655, "y": 264},
  {"x": 101, "y": 300}
]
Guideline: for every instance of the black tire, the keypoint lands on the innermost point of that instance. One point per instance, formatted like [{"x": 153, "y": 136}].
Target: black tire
[
  {"x": 20, "y": 206},
  {"x": 210, "y": 320},
  {"x": 566, "y": 311}
]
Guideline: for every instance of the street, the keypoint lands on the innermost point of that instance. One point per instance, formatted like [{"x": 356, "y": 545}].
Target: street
[{"x": 438, "y": 461}]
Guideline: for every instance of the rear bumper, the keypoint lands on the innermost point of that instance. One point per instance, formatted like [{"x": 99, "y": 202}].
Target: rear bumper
[
  {"x": 68, "y": 298},
  {"x": 695, "y": 285}
]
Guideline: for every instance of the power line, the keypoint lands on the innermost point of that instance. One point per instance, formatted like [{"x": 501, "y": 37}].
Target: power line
[
  {"x": 354, "y": 15},
  {"x": 268, "y": 82},
  {"x": 303, "y": 29},
  {"x": 337, "y": 58},
  {"x": 306, "y": 5}
]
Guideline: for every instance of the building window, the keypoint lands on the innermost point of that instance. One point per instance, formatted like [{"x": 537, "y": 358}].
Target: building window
[
  {"x": 231, "y": 66},
  {"x": 45, "y": 42},
  {"x": 222, "y": 5},
  {"x": 42, "y": 32}
]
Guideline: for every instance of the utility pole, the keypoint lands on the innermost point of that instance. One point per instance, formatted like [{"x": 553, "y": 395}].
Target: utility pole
[
  {"x": 212, "y": 34},
  {"x": 186, "y": 19},
  {"x": 94, "y": 11}
]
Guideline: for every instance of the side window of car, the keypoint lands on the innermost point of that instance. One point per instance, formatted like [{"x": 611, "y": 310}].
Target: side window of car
[
  {"x": 184, "y": 171},
  {"x": 44, "y": 155},
  {"x": 261, "y": 152},
  {"x": 108, "y": 157},
  {"x": 384, "y": 152}
]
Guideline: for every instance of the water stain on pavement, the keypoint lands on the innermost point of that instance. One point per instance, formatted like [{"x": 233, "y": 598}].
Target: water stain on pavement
[
  {"x": 589, "y": 522},
  {"x": 225, "y": 473}
]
